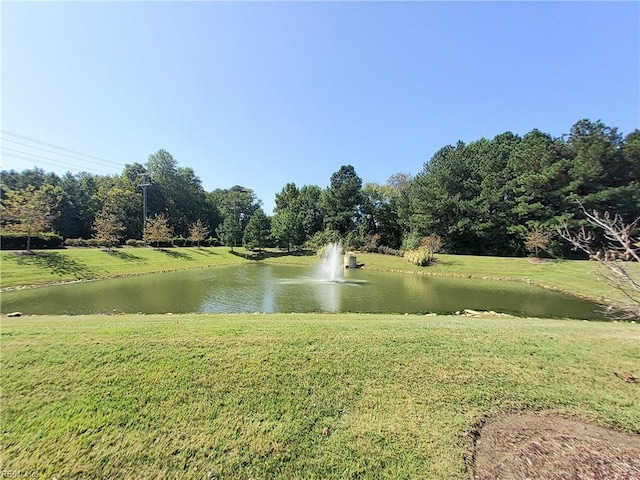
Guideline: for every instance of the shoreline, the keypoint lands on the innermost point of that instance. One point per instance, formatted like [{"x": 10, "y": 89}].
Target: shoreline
[{"x": 599, "y": 300}]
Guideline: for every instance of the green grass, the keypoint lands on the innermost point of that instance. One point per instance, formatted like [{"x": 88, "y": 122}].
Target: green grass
[
  {"x": 572, "y": 276},
  {"x": 50, "y": 266},
  {"x": 248, "y": 396}
]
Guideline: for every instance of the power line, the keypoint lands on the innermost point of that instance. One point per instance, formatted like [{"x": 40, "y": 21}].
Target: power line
[
  {"x": 50, "y": 151},
  {"x": 40, "y": 142},
  {"x": 46, "y": 161}
]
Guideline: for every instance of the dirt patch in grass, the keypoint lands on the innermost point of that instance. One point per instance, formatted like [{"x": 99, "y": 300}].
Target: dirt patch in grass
[
  {"x": 555, "y": 447},
  {"x": 540, "y": 260}
]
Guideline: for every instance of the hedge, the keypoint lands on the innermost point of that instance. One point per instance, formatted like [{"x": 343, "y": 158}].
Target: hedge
[{"x": 16, "y": 241}]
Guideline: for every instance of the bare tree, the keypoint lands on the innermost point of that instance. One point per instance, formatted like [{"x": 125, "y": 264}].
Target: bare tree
[{"x": 620, "y": 255}]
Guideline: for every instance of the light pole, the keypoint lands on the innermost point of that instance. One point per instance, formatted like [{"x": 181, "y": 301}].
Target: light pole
[
  {"x": 237, "y": 190},
  {"x": 146, "y": 181}
]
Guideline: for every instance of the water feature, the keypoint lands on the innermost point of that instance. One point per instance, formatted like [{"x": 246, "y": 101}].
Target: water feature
[
  {"x": 330, "y": 268},
  {"x": 278, "y": 288}
]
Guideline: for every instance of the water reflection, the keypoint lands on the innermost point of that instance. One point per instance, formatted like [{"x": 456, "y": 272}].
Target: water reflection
[
  {"x": 270, "y": 288},
  {"x": 328, "y": 295}
]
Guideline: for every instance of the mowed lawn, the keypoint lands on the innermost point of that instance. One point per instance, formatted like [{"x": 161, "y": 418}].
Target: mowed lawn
[
  {"x": 580, "y": 277},
  {"x": 293, "y": 396},
  {"x": 64, "y": 265}
]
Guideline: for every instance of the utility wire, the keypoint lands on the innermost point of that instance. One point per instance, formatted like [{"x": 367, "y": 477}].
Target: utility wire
[
  {"x": 48, "y": 151},
  {"x": 23, "y": 137},
  {"x": 46, "y": 161}
]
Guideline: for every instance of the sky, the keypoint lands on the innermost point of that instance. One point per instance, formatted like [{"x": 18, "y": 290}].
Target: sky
[{"x": 261, "y": 94}]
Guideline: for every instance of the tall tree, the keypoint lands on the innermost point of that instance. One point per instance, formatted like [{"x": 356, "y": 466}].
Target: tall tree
[
  {"x": 229, "y": 231},
  {"x": 257, "y": 230},
  {"x": 597, "y": 163},
  {"x": 309, "y": 212},
  {"x": 235, "y": 205},
  {"x": 380, "y": 213},
  {"x": 400, "y": 184},
  {"x": 175, "y": 191},
  {"x": 287, "y": 198},
  {"x": 77, "y": 207},
  {"x": 341, "y": 200},
  {"x": 286, "y": 228}
]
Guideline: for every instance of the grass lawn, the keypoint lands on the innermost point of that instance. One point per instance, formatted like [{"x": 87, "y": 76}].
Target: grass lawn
[
  {"x": 572, "y": 276},
  {"x": 50, "y": 266},
  {"x": 248, "y": 396}
]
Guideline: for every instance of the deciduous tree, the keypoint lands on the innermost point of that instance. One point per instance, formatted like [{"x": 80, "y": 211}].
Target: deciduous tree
[
  {"x": 29, "y": 211},
  {"x": 198, "y": 232},
  {"x": 107, "y": 227},
  {"x": 536, "y": 239},
  {"x": 158, "y": 230}
]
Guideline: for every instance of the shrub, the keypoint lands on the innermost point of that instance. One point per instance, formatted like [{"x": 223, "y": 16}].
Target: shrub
[
  {"x": 418, "y": 256},
  {"x": 179, "y": 242},
  {"x": 390, "y": 251},
  {"x": 354, "y": 241},
  {"x": 372, "y": 243},
  {"x": 212, "y": 242},
  {"x": 432, "y": 244},
  {"x": 321, "y": 251},
  {"x": 322, "y": 238},
  {"x": 411, "y": 241},
  {"x": 75, "y": 242},
  {"x": 18, "y": 241}
]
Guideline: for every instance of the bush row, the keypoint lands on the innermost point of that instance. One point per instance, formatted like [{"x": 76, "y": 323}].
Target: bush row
[
  {"x": 390, "y": 251},
  {"x": 17, "y": 241},
  {"x": 174, "y": 242}
]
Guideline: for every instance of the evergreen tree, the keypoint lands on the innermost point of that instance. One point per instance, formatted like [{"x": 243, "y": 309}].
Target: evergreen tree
[{"x": 257, "y": 230}]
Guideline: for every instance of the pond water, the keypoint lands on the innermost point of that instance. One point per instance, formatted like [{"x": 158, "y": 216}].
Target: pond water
[{"x": 276, "y": 288}]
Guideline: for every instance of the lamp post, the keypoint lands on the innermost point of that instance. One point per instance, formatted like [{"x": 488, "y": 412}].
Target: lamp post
[
  {"x": 146, "y": 181},
  {"x": 237, "y": 190}
]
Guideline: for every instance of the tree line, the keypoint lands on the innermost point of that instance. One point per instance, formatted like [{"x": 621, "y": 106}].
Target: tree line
[{"x": 500, "y": 196}]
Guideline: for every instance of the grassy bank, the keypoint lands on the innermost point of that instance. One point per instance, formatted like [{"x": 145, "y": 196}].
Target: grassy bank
[
  {"x": 50, "y": 266},
  {"x": 572, "y": 276},
  {"x": 248, "y": 396}
]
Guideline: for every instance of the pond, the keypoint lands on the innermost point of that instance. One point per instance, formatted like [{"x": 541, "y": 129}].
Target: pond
[{"x": 276, "y": 288}]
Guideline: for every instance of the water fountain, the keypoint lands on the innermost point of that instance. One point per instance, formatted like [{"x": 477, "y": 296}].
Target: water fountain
[{"x": 330, "y": 268}]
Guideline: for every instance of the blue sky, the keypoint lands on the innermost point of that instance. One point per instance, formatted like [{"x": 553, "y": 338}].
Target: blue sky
[{"x": 264, "y": 93}]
